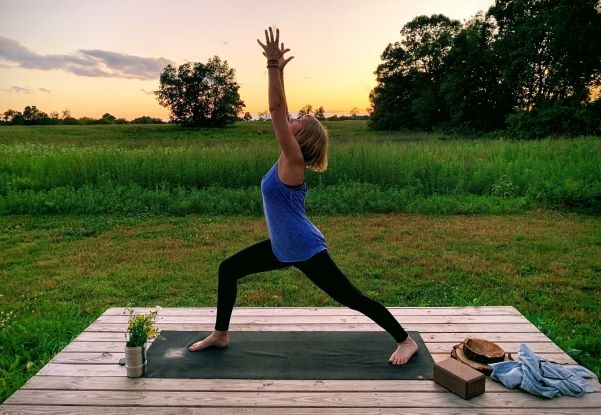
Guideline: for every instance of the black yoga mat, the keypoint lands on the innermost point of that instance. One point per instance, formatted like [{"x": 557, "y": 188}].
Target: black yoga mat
[{"x": 286, "y": 355}]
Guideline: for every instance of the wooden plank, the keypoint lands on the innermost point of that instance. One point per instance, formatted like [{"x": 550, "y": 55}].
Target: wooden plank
[
  {"x": 234, "y": 385},
  {"x": 555, "y": 357},
  {"x": 113, "y": 358},
  {"x": 68, "y": 368},
  {"x": 104, "y": 410},
  {"x": 98, "y": 333},
  {"x": 321, "y": 311},
  {"x": 120, "y": 322},
  {"x": 268, "y": 399}
]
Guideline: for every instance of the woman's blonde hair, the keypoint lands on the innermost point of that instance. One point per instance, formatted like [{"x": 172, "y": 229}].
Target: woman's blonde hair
[{"x": 312, "y": 137}]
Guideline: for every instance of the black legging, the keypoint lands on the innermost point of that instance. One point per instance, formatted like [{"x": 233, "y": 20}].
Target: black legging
[{"x": 320, "y": 269}]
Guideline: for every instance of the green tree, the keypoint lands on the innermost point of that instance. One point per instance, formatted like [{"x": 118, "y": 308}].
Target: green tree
[
  {"x": 306, "y": 110},
  {"x": 391, "y": 98},
  {"x": 197, "y": 94},
  {"x": 107, "y": 119},
  {"x": 407, "y": 92},
  {"x": 12, "y": 117},
  {"x": 320, "y": 114},
  {"x": 145, "y": 119},
  {"x": 472, "y": 86},
  {"x": 549, "y": 50},
  {"x": 67, "y": 119},
  {"x": 33, "y": 116}
]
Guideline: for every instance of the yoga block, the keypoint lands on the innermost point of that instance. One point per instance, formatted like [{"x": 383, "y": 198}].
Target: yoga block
[{"x": 459, "y": 378}]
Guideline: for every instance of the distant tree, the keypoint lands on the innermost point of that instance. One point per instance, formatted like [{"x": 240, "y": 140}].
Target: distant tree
[
  {"x": 549, "y": 54},
  {"x": 306, "y": 110},
  {"x": 87, "y": 121},
  {"x": 107, "y": 119},
  {"x": 530, "y": 66},
  {"x": 407, "y": 93},
  {"x": 391, "y": 98},
  {"x": 12, "y": 117},
  {"x": 354, "y": 112},
  {"x": 549, "y": 51},
  {"x": 33, "y": 116},
  {"x": 247, "y": 116},
  {"x": 70, "y": 121},
  {"x": 198, "y": 94},
  {"x": 427, "y": 42},
  {"x": 472, "y": 86},
  {"x": 263, "y": 115},
  {"x": 320, "y": 114},
  {"x": 146, "y": 120},
  {"x": 53, "y": 118},
  {"x": 67, "y": 119}
]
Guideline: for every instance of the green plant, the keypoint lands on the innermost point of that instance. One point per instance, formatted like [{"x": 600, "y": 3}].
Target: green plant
[{"x": 141, "y": 327}]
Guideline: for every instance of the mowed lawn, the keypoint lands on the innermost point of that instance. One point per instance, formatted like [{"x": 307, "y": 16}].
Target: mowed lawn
[{"x": 59, "y": 273}]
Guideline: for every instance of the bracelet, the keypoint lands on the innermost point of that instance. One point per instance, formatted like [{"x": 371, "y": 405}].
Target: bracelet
[{"x": 272, "y": 63}]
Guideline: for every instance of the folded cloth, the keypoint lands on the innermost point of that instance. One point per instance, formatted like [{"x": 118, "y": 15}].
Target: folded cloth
[{"x": 539, "y": 376}]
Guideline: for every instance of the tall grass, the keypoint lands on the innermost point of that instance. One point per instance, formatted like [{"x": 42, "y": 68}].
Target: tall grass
[{"x": 219, "y": 172}]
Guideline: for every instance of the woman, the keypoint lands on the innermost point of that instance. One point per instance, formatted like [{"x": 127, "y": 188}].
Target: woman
[{"x": 293, "y": 239}]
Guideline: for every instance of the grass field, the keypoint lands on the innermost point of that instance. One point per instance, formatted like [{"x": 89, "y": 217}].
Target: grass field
[
  {"x": 167, "y": 170},
  {"x": 105, "y": 216}
]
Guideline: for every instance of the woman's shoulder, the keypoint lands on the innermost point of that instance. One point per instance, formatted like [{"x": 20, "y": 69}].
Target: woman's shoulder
[{"x": 290, "y": 173}]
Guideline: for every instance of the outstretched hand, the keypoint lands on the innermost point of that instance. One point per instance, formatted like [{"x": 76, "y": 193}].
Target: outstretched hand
[{"x": 273, "y": 50}]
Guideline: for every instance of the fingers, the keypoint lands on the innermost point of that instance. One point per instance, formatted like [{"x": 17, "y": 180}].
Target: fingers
[
  {"x": 271, "y": 38},
  {"x": 272, "y": 48},
  {"x": 275, "y": 40}
]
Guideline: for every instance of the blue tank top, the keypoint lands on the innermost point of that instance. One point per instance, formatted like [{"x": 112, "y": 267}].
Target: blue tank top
[{"x": 293, "y": 236}]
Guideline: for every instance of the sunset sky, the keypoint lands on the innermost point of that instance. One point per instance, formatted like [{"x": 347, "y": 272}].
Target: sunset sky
[{"x": 94, "y": 57}]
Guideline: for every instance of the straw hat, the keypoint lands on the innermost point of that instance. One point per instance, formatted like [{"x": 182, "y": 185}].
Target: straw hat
[{"x": 479, "y": 353}]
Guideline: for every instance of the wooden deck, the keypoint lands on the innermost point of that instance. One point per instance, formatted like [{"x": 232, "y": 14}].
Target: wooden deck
[{"x": 85, "y": 378}]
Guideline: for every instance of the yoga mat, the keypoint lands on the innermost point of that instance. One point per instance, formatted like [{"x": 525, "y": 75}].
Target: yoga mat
[{"x": 286, "y": 355}]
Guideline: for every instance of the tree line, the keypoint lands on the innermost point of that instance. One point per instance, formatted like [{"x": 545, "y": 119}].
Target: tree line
[
  {"x": 530, "y": 67},
  {"x": 31, "y": 115}
]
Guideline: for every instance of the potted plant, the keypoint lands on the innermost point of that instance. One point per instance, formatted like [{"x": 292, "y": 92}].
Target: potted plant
[{"x": 140, "y": 329}]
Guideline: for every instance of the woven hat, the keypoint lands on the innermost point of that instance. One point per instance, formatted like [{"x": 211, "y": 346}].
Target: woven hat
[{"x": 479, "y": 353}]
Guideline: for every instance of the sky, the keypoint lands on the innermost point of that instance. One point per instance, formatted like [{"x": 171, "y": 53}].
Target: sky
[{"x": 94, "y": 57}]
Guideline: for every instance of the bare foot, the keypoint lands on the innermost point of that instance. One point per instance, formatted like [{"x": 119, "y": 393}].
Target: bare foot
[
  {"x": 215, "y": 339},
  {"x": 404, "y": 351}
]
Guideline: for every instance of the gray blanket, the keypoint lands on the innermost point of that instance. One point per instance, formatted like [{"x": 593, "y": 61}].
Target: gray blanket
[{"x": 539, "y": 376}]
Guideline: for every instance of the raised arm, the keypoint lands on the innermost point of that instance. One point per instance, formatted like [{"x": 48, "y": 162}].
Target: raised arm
[{"x": 292, "y": 164}]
